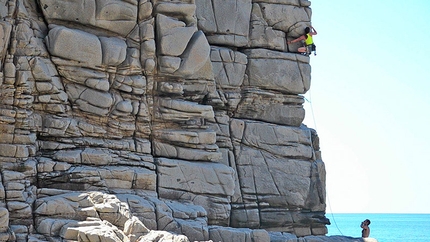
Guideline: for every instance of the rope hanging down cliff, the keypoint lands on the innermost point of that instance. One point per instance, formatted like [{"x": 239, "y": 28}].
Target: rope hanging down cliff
[{"x": 315, "y": 126}]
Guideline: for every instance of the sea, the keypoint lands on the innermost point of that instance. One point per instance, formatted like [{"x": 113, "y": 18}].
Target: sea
[{"x": 386, "y": 227}]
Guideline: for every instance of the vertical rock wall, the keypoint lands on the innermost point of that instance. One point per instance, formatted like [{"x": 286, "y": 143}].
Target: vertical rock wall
[{"x": 124, "y": 119}]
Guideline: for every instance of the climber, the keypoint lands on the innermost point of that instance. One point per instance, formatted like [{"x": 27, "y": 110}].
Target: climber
[
  {"x": 366, "y": 230},
  {"x": 309, "y": 42}
]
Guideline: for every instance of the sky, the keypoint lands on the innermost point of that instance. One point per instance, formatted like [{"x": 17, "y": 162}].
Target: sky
[{"x": 370, "y": 104}]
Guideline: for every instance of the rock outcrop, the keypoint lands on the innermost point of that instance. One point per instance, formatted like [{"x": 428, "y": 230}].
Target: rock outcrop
[{"x": 153, "y": 120}]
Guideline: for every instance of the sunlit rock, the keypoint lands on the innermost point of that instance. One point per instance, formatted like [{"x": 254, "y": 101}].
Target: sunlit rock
[{"x": 126, "y": 120}]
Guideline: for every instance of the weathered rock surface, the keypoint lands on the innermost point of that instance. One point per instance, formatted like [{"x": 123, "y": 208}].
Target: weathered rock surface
[
  {"x": 282, "y": 237},
  {"x": 225, "y": 22},
  {"x": 139, "y": 120}
]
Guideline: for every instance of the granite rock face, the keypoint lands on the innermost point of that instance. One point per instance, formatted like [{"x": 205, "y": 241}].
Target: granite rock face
[{"x": 152, "y": 120}]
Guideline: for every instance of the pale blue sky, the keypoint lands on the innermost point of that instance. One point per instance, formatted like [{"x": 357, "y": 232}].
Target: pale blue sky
[{"x": 371, "y": 103}]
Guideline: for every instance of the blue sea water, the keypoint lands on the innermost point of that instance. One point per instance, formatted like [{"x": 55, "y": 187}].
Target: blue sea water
[{"x": 383, "y": 227}]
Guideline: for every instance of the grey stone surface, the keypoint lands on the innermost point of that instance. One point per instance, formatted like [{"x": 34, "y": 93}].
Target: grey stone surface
[
  {"x": 264, "y": 35},
  {"x": 229, "y": 67},
  {"x": 226, "y": 22},
  {"x": 284, "y": 72},
  {"x": 117, "y": 16},
  {"x": 74, "y": 45},
  {"x": 127, "y": 120},
  {"x": 114, "y": 50},
  {"x": 174, "y": 35},
  {"x": 243, "y": 234},
  {"x": 4, "y": 219},
  {"x": 195, "y": 56},
  {"x": 275, "y": 108}
]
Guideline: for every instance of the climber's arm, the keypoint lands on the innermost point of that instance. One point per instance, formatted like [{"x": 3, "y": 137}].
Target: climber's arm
[
  {"x": 314, "y": 31},
  {"x": 296, "y": 40}
]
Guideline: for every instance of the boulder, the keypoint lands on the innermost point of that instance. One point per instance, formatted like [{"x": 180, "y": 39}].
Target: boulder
[
  {"x": 173, "y": 34},
  {"x": 116, "y": 16},
  {"x": 114, "y": 50},
  {"x": 195, "y": 56},
  {"x": 272, "y": 70},
  {"x": 73, "y": 44},
  {"x": 163, "y": 236}
]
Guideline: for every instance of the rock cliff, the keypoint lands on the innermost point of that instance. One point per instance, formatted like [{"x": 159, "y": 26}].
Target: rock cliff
[{"x": 152, "y": 120}]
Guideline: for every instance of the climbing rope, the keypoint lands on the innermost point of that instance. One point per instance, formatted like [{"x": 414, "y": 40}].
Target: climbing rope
[{"x": 315, "y": 126}]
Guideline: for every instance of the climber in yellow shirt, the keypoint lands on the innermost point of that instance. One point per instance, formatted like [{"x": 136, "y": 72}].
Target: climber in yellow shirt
[{"x": 308, "y": 39}]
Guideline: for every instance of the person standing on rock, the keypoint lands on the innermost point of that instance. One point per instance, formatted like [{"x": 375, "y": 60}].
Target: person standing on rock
[
  {"x": 308, "y": 39},
  {"x": 366, "y": 230}
]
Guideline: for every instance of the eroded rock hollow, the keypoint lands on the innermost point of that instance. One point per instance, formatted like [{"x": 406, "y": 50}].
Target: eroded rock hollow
[{"x": 137, "y": 120}]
